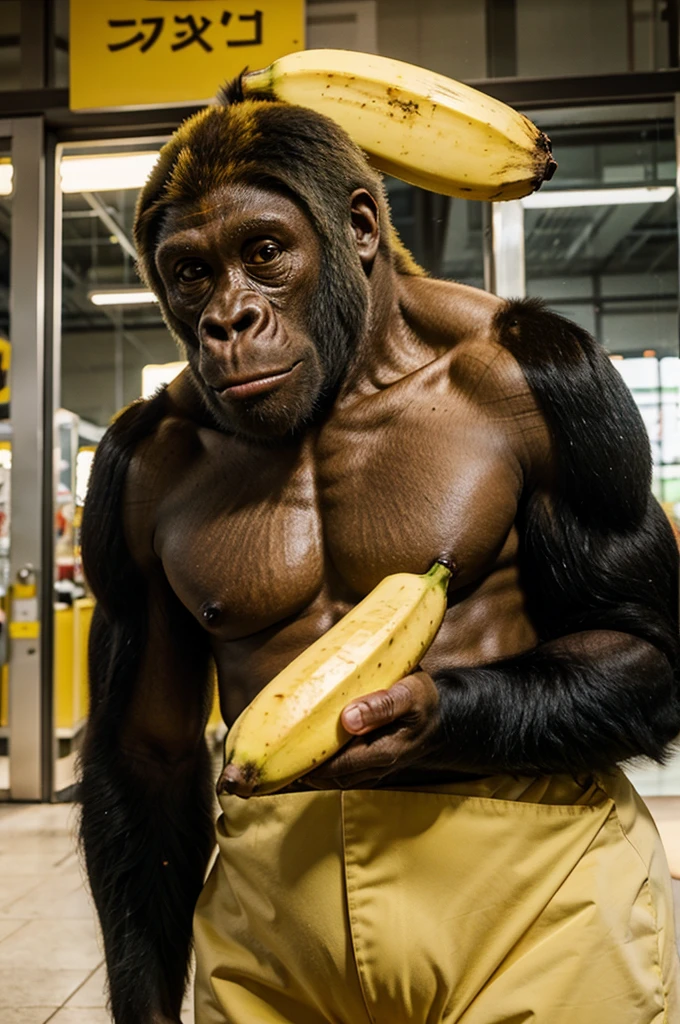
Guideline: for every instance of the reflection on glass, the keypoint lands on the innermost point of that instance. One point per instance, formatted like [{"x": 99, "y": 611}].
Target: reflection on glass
[
  {"x": 612, "y": 266},
  {"x": 105, "y": 348},
  {"x": 445, "y": 235}
]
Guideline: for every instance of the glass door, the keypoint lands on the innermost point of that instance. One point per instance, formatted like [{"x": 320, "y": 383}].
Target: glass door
[
  {"x": 600, "y": 245},
  {"x": 114, "y": 348},
  {"x": 110, "y": 330}
]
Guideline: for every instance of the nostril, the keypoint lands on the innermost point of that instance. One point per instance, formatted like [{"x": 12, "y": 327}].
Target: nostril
[
  {"x": 245, "y": 321},
  {"x": 216, "y": 331}
]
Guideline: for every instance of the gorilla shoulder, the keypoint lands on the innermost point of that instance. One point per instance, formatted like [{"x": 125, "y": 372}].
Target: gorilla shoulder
[
  {"x": 444, "y": 313},
  {"x": 162, "y": 455}
]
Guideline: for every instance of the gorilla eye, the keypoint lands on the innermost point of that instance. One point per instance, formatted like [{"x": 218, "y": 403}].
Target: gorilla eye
[
  {"x": 261, "y": 252},
  {"x": 194, "y": 270}
]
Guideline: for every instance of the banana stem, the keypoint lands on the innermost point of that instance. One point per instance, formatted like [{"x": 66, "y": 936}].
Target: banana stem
[
  {"x": 442, "y": 570},
  {"x": 261, "y": 81}
]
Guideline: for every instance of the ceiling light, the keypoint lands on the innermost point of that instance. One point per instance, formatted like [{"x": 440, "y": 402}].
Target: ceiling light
[
  {"x": 129, "y": 297},
  {"x": 105, "y": 172},
  {"x": 552, "y": 198},
  {"x": 6, "y": 176}
]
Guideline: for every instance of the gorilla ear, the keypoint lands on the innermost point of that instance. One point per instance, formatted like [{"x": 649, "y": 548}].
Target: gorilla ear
[{"x": 365, "y": 225}]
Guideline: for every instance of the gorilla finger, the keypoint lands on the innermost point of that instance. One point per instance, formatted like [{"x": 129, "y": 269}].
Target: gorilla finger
[
  {"x": 378, "y": 756},
  {"x": 378, "y": 709}
]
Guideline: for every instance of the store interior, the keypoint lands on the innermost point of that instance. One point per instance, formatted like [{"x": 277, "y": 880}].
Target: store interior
[
  {"x": 600, "y": 247},
  {"x": 599, "y": 243}
]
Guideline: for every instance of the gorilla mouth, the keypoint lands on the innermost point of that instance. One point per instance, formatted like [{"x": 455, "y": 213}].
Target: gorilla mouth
[{"x": 248, "y": 387}]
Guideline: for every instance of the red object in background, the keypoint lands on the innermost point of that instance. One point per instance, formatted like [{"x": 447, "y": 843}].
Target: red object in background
[
  {"x": 60, "y": 522},
  {"x": 64, "y": 570}
]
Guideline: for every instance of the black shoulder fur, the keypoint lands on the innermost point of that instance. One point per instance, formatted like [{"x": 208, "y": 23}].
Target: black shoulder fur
[{"x": 599, "y": 567}]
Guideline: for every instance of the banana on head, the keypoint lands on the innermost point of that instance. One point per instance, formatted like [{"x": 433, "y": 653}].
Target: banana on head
[{"x": 414, "y": 124}]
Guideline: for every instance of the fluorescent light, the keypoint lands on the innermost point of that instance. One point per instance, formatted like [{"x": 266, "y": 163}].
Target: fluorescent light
[
  {"x": 106, "y": 172},
  {"x": 6, "y": 176},
  {"x": 553, "y": 199},
  {"x": 155, "y": 375},
  {"x": 130, "y": 297}
]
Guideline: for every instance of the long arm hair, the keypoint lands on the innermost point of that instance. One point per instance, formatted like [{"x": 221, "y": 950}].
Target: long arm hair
[
  {"x": 600, "y": 571},
  {"x": 146, "y": 826}
]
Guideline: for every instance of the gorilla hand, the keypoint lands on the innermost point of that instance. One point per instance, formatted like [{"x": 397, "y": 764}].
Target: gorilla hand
[{"x": 393, "y": 729}]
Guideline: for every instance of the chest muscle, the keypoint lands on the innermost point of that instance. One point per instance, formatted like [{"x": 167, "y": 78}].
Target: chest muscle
[{"x": 252, "y": 541}]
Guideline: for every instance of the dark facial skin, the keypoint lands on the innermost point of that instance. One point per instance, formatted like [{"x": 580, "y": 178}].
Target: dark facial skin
[{"x": 242, "y": 273}]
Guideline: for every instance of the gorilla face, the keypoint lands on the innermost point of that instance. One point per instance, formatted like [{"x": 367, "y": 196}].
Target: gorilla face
[{"x": 245, "y": 274}]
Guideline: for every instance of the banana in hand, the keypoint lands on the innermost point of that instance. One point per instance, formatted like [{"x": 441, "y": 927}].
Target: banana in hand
[
  {"x": 419, "y": 126},
  {"x": 294, "y": 722}
]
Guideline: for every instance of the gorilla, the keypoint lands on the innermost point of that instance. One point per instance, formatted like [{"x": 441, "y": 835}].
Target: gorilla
[{"x": 342, "y": 417}]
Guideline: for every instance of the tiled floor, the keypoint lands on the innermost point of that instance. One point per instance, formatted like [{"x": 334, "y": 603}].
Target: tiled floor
[{"x": 51, "y": 964}]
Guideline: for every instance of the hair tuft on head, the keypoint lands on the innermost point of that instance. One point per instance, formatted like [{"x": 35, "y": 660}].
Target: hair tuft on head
[{"x": 231, "y": 92}]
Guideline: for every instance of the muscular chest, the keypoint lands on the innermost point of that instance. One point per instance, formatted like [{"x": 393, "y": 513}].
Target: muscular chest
[{"x": 253, "y": 536}]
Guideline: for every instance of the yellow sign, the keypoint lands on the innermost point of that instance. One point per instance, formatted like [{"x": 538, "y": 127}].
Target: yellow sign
[
  {"x": 5, "y": 360},
  {"x": 24, "y": 630},
  {"x": 137, "y": 53}
]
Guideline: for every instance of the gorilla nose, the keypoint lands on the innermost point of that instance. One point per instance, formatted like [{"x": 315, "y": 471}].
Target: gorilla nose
[{"x": 228, "y": 328}]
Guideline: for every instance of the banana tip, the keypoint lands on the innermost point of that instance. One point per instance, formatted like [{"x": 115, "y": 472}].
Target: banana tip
[{"x": 236, "y": 781}]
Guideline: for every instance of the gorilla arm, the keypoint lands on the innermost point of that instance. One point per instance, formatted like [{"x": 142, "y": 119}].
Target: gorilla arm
[
  {"x": 600, "y": 575},
  {"x": 145, "y": 779},
  {"x": 600, "y": 567}
]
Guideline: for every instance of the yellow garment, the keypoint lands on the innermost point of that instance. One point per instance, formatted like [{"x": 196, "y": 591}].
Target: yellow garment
[{"x": 496, "y": 901}]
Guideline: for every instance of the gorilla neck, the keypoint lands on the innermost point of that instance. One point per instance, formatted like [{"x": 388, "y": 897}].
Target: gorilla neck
[{"x": 386, "y": 351}]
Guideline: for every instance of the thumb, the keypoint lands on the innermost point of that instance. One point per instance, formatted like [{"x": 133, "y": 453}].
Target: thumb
[{"x": 377, "y": 709}]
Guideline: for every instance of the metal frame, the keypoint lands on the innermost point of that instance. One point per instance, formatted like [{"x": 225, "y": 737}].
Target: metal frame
[
  {"x": 504, "y": 257},
  {"x": 534, "y": 93},
  {"x": 6, "y": 127},
  {"x": 30, "y": 710}
]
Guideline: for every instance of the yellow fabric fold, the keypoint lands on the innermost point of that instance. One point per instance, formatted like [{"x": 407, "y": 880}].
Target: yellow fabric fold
[{"x": 493, "y": 901}]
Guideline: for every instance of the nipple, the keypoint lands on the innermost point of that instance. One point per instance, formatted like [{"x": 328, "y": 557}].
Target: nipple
[{"x": 211, "y": 612}]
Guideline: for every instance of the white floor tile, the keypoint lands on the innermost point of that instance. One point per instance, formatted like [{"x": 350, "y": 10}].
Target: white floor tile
[
  {"x": 93, "y": 992},
  {"x": 13, "y": 887},
  {"x": 32, "y": 863},
  {"x": 33, "y": 986},
  {"x": 8, "y": 927},
  {"x": 78, "y": 1015},
  {"x": 67, "y": 900},
  {"x": 54, "y": 945},
  {"x": 27, "y": 1014},
  {"x": 38, "y": 818},
  {"x": 49, "y": 843}
]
